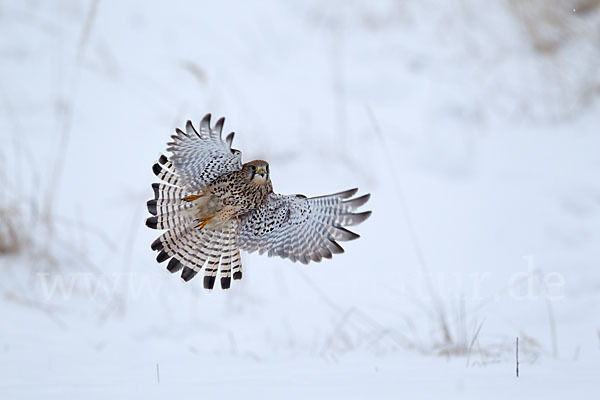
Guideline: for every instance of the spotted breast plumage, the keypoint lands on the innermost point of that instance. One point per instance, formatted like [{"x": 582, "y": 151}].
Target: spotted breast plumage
[{"x": 211, "y": 206}]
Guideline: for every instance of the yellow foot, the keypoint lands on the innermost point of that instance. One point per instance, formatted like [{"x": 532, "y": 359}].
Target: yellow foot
[
  {"x": 204, "y": 221},
  {"x": 192, "y": 197}
]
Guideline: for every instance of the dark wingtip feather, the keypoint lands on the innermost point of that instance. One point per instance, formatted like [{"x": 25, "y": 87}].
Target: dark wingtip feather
[
  {"x": 347, "y": 193},
  {"x": 163, "y": 159},
  {"x": 357, "y": 218},
  {"x": 219, "y": 125},
  {"x": 225, "y": 282},
  {"x": 205, "y": 122},
  {"x": 188, "y": 274},
  {"x": 174, "y": 265},
  {"x": 151, "y": 204},
  {"x": 152, "y": 222},
  {"x": 364, "y": 215},
  {"x": 155, "y": 187},
  {"x": 341, "y": 195},
  {"x": 337, "y": 249},
  {"x": 229, "y": 138},
  {"x": 346, "y": 234},
  {"x": 156, "y": 169},
  {"x": 189, "y": 127},
  {"x": 156, "y": 245},
  {"x": 162, "y": 256},
  {"x": 359, "y": 201},
  {"x": 209, "y": 282},
  {"x": 237, "y": 275}
]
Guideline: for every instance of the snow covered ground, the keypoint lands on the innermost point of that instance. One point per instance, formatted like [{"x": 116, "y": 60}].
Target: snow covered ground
[{"x": 475, "y": 130}]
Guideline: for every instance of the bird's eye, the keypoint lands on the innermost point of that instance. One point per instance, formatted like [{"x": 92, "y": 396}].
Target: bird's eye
[{"x": 254, "y": 168}]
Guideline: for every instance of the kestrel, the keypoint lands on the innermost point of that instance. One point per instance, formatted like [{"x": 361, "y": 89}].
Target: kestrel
[{"x": 211, "y": 206}]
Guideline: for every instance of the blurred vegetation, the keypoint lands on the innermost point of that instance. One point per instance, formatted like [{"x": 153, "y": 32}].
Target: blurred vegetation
[{"x": 550, "y": 24}]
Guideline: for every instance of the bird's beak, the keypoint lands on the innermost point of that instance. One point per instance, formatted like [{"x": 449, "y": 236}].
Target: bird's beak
[{"x": 261, "y": 172}]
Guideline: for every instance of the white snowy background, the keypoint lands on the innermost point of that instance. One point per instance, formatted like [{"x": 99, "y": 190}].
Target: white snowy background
[{"x": 474, "y": 125}]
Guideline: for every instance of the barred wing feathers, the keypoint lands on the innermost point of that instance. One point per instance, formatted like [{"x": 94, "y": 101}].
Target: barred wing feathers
[
  {"x": 300, "y": 228},
  {"x": 200, "y": 157},
  {"x": 189, "y": 250},
  {"x": 295, "y": 227}
]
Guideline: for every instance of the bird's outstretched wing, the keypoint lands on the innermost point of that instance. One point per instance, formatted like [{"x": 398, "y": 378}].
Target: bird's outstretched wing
[
  {"x": 200, "y": 157},
  {"x": 300, "y": 228}
]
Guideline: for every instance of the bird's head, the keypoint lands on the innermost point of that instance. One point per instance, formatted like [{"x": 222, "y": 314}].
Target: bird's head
[{"x": 257, "y": 171}]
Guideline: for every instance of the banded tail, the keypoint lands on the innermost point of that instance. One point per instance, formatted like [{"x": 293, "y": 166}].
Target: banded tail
[{"x": 188, "y": 247}]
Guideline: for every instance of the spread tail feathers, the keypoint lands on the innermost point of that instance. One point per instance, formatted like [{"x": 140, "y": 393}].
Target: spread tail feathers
[{"x": 188, "y": 243}]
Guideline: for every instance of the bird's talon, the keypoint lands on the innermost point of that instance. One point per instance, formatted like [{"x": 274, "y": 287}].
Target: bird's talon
[{"x": 204, "y": 221}]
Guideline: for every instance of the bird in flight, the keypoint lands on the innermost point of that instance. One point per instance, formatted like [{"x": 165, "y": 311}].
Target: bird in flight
[{"x": 210, "y": 206}]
